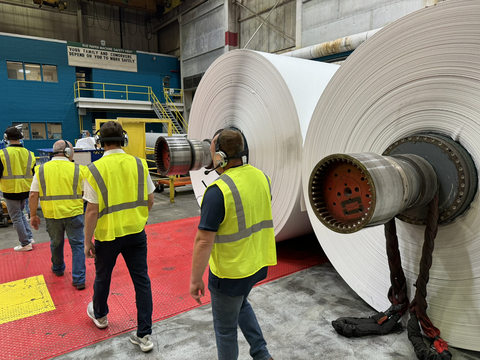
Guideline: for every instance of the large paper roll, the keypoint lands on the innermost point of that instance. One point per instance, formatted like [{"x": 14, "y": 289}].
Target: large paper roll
[
  {"x": 419, "y": 74},
  {"x": 271, "y": 99}
]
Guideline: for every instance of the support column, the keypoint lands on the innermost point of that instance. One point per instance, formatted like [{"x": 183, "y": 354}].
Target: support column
[
  {"x": 298, "y": 26},
  {"x": 231, "y": 26},
  {"x": 79, "y": 23}
]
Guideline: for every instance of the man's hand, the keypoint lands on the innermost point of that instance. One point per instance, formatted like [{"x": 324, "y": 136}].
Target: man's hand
[
  {"x": 197, "y": 290},
  {"x": 202, "y": 249},
  {"x": 35, "y": 221},
  {"x": 90, "y": 249}
]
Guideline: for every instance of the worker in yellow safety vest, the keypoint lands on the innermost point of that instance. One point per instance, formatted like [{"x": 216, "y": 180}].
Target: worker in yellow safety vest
[
  {"x": 59, "y": 185},
  {"x": 16, "y": 175},
  {"x": 119, "y": 192},
  {"x": 236, "y": 237}
]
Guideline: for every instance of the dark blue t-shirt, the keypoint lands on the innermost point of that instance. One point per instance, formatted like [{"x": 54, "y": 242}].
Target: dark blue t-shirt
[{"x": 212, "y": 214}]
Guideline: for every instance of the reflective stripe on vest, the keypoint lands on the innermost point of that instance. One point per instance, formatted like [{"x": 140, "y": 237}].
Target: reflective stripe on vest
[
  {"x": 43, "y": 184},
  {"x": 104, "y": 191},
  {"x": 28, "y": 172},
  {"x": 243, "y": 231}
]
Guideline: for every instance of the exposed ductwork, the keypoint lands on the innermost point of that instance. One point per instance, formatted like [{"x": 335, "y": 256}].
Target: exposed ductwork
[{"x": 348, "y": 43}]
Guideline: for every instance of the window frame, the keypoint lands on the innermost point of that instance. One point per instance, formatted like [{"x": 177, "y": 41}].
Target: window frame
[
  {"x": 24, "y": 73},
  {"x": 61, "y": 128},
  {"x": 40, "y": 71},
  {"x": 45, "y": 130},
  {"x": 23, "y": 69},
  {"x": 56, "y": 72}
]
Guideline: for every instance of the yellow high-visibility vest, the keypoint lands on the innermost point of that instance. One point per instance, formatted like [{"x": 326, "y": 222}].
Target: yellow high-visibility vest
[
  {"x": 245, "y": 240},
  {"x": 60, "y": 188},
  {"x": 120, "y": 181},
  {"x": 18, "y": 164}
]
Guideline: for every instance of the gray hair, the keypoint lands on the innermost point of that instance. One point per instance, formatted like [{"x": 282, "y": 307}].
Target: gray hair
[{"x": 59, "y": 146}]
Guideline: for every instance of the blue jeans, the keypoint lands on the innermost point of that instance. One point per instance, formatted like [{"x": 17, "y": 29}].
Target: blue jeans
[
  {"x": 20, "y": 223},
  {"x": 73, "y": 226},
  {"x": 228, "y": 313},
  {"x": 134, "y": 251}
]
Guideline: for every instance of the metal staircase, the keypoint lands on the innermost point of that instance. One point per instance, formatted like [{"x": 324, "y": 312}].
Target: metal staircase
[{"x": 164, "y": 112}]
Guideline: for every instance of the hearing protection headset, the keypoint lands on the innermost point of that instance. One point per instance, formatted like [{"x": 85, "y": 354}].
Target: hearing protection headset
[
  {"x": 19, "y": 128},
  {"x": 221, "y": 158},
  {"x": 67, "y": 151},
  {"x": 100, "y": 140}
]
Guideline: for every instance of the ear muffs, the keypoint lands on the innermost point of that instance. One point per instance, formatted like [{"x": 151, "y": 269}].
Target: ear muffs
[
  {"x": 19, "y": 127},
  {"x": 220, "y": 158},
  {"x": 67, "y": 151},
  {"x": 100, "y": 142}
]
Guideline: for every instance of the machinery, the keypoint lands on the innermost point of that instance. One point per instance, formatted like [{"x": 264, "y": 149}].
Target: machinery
[
  {"x": 425, "y": 179},
  {"x": 350, "y": 192}
]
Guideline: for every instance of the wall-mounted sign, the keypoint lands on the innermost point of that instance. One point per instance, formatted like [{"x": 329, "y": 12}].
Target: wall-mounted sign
[{"x": 101, "y": 57}]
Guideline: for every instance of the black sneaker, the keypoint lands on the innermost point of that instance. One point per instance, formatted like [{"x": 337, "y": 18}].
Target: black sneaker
[
  {"x": 58, "y": 273},
  {"x": 79, "y": 286}
]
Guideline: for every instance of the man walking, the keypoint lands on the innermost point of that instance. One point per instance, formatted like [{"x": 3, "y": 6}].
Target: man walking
[
  {"x": 236, "y": 234},
  {"x": 59, "y": 185},
  {"x": 16, "y": 175},
  {"x": 119, "y": 192}
]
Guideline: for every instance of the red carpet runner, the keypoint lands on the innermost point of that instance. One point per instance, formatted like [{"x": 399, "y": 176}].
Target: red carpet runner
[{"x": 68, "y": 328}]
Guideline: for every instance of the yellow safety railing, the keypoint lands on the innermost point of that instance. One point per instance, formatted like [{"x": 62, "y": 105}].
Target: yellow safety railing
[
  {"x": 170, "y": 92},
  {"x": 92, "y": 87},
  {"x": 159, "y": 105},
  {"x": 176, "y": 94},
  {"x": 130, "y": 92}
]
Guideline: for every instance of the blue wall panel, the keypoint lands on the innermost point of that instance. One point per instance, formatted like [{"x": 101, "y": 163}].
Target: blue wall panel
[
  {"x": 50, "y": 102},
  {"x": 37, "y": 101}
]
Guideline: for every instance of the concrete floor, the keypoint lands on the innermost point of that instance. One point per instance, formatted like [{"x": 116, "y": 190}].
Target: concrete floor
[{"x": 294, "y": 312}]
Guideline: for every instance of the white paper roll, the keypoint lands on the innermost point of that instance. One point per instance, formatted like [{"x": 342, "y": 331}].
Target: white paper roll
[
  {"x": 419, "y": 74},
  {"x": 271, "y": 99}
]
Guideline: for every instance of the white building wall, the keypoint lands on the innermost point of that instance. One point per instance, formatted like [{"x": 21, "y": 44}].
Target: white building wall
[{"x": 326, "y": 20}]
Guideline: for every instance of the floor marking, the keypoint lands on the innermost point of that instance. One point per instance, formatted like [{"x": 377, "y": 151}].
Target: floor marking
[{"x": 23, "y": 298}]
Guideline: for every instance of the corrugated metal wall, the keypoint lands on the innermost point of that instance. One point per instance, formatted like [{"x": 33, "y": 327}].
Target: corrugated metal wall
[
  {"x": 98, "y": 22},
  {"x": 202, "y": 37}
]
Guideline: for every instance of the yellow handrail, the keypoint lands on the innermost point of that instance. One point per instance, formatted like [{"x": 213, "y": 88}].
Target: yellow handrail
[
  {"x": 77, "y": 89},
  {"x": 149, "y": 94},
  {"x": 162, "y": 109},
  {"x": 174, "y": 93},
  {"x": 170, "y": 103}
]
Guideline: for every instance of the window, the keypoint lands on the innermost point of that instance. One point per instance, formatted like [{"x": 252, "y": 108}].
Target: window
[
  {"x": 38, "y": 131},
  {"x": 32, "y": 72},
  {"x": 50, "y": 73},
  {"x": 81, "y": 78},
  {"x": 25, "y": 129},
  {"x": 15, "y": 70},
  {"x": 54, "y": 130}
]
